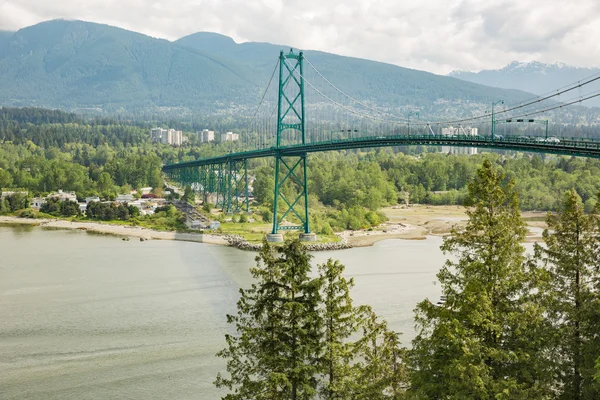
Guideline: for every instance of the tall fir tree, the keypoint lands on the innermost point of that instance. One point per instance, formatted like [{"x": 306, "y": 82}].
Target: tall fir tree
[
  {"x": 484, "y": 342},
  {"x": 275, "y": 354},
  {"x": 340, "y": 322},
  {"x": 572, "y": 259},
  {"x": 380, "y": 369}
]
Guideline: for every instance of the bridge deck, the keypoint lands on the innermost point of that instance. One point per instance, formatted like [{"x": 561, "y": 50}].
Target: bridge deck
[{"x": 566, "y": 146}]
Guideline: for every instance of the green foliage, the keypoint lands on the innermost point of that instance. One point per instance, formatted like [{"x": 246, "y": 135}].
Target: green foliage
[
  {"x": 207, "y": 207},
  {"x": 354, "y": 218},
  {"x": 189, "y": 196},
  {"x": 107, "y": 211},
  {"x": 379, "y": 372},
  {"x": 16, "y": 201},
  {"x": 243, "y": 218},
  {"x": 294, "y": 336},
  {"x": 350, "y": 182},
  {"x": 4, "y": 206},
  {"x": 6, "y": 179},
  {"x": 266, "y": 215},
  {"x": 55, "y": 207},
  {"x": 572, "y": 300},
  {"x": 264, "y": 185},
  {"x": 134, "y": 212},
  {"x": 274, "y": 354},
  {"x": 340, "y": 322},
  {"x": 485, "y": 341},
  {"x": 27, "y": 213}
]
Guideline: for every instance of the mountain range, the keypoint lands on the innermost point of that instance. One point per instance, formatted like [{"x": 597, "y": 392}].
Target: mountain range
[
  {"x": 78, "y": 65},
  {"x": 534, "y": 77}
]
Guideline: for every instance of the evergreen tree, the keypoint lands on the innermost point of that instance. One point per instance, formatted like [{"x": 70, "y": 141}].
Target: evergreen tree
[
  {"x": 189, "y": 196},
  {"x": 340, "y": 321},
  {"x": 275, "y": 352},
  {"x": 484, "y": 342},
  {"x": 380, "y": 371},
  {"x": 571, "y": 256}
]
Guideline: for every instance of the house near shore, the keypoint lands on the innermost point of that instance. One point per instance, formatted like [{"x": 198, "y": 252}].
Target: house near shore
[
  {"x": 6, "y": 193},
  {"x": 37, "y": 203},
  {"x": 124, "y": 198},
  {"x": 63, "y": 196}
]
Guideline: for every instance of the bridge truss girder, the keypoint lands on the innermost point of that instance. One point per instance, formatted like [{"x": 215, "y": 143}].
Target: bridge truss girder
[{"x": 227, "y": 180}]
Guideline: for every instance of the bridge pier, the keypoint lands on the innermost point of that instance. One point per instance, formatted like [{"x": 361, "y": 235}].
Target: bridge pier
[
  {"x": 274, "y": 237},
  {"x": 308, "y": 237}
]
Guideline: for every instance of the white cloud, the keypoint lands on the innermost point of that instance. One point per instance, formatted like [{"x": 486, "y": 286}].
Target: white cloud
[{"x": 434, "y": 35}]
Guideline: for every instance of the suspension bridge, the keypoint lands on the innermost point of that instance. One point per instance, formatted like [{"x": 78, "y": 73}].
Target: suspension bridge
[{"x": 294, "y": 119}]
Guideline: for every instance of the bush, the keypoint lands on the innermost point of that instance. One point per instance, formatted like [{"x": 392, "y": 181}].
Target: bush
[
  {"x": 243, "y": 218},
  {"x": 267, "y": 215},
  {"x": 326, "y": 229},
  {"x": 27, "y": 213}
]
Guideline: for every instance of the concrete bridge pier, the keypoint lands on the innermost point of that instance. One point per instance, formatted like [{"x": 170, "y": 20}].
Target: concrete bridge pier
[
  {"x": 274, "y": 237},
  {"x": 308, "y": 237}
]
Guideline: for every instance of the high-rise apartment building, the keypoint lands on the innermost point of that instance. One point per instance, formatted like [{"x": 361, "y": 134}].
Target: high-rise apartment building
[
  {"x": 229, "y": 137},
  {"x": 206, "y": 136}
]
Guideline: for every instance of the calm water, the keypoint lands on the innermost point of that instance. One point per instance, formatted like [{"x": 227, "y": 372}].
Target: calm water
[{"x": 94, "y": 317}]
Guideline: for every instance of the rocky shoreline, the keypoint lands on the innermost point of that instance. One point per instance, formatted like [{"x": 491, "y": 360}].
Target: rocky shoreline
[
  {"x": 125, "y": 231},
  {"x": 242, "y": 244}
]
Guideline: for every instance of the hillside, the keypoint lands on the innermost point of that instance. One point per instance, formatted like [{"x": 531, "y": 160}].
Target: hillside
[
  {"x": 81, "y": 66},
  {"x": 75, "y": 64},
  {"x": 534, "y": 77},
  {"x": 381, "y": 83}
]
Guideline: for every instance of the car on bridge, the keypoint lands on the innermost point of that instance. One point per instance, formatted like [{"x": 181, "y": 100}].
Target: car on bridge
[{"x": 553, "y": 140}]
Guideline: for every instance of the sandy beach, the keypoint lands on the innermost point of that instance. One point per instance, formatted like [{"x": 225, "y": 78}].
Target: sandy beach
[
  {"x": 410, "y": 223},
  {"x": 118, "y": 230},
  {"x": 416, "y": 222}
]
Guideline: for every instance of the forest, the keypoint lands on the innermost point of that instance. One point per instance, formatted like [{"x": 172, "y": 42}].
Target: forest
[
  {"x": 45, "y": 150},
  {"x": 510, "y": 325}
]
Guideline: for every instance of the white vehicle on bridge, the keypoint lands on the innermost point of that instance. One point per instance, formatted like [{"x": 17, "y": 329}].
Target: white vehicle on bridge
[{"x": 553, "y": 140}]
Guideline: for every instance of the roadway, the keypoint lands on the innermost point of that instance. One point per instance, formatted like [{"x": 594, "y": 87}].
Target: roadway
[{"x": 565, "y": 146}]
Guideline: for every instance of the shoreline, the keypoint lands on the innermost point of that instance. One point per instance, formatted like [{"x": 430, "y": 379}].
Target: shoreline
[
  {"x": 116, "y": 230},
  {"x": 406, "y": 223}
]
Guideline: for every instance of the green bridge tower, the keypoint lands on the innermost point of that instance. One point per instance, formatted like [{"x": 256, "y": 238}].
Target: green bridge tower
[{"x": 291, "y": 180}]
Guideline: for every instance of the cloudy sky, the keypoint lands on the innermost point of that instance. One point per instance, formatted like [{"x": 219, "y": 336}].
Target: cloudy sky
[{"x": 432, "y": 35}]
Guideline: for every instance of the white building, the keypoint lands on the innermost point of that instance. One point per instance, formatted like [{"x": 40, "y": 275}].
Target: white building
[
  {"x": 124, "y": 198},
  {"x": 206, "y": 136},
  {"x": 171, "y": 136},
  {"x": 63, "y": 196},
  {"x": 159, "y": 135},
  {"x": 37, "y": 202},
  {"x": 229, "y": 137},
  {"x": 6, "y": 193},
  {"x": 175, "y": 138},
  {"x": 88, "y": 200},
  {"x": 452, "y": 131}
]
